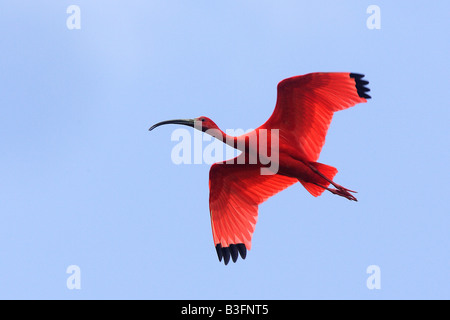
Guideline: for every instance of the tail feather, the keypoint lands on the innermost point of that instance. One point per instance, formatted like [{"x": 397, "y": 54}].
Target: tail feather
[{"x": 312, "y": 186}]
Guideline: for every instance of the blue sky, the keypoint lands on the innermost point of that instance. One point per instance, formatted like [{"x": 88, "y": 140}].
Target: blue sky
[{"x": 84, "y": 183}]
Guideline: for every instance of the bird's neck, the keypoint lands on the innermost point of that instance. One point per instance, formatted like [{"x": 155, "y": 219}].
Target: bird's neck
[
  {"x": 245, "y": 142},
  {"x": 232, "y": 141}
]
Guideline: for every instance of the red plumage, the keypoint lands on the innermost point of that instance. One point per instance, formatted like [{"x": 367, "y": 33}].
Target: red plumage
[{"x": 303, "y": 113}]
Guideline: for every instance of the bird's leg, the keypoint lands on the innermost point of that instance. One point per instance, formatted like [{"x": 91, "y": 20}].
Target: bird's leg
[
  {"x": 343, "y": 192},
  {"x": 330, "y": 181},
  {"x": 340, "y": 190}
]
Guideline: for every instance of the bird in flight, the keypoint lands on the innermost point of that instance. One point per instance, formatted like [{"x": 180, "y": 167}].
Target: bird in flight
[{"x": 303, "y": 112}]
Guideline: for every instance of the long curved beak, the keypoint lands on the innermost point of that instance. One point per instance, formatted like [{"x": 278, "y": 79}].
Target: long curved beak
[{"x": 186, "y": 122}]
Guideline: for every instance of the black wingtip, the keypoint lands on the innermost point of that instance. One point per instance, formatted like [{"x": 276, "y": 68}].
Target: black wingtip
[
  {"x": 242, "y": 250},
  {"x": 219, "y": 252},
  {"x": 361, "y": 85},
  {"x": 226, "y": 255},
  {"x": 232, "y": 251}
]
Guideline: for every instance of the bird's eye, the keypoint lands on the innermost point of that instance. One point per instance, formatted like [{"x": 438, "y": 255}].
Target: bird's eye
[{"x": 203, "y": 120}]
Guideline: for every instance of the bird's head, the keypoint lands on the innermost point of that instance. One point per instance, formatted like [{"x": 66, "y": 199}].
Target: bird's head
[{"x": 200, "y": 123}]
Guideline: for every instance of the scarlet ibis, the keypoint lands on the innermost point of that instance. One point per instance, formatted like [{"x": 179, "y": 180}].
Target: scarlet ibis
[{"x": 303, "y": 112}]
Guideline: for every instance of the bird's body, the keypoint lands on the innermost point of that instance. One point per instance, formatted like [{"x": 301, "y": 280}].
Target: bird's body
[{"x": 287, "y": 146}]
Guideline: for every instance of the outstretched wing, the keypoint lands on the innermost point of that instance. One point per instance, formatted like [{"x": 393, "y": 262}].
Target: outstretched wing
[
  {"x": 305, "y": 107},
  {"x": 236, "y": 190}
]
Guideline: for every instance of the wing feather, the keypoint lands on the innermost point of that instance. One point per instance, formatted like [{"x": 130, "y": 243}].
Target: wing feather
[
  {"x": 236, "y": 190},
  {"x": 305, "y": 107}
]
